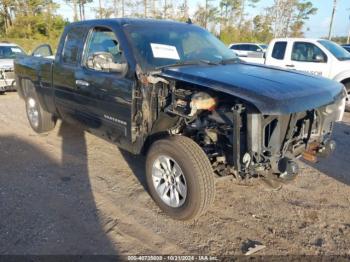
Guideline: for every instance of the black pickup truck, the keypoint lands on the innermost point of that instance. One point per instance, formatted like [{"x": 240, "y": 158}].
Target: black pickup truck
[{"x": 175, "y": 92}]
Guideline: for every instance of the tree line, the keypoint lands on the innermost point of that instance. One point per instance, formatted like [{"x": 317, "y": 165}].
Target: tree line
[{"x": 227, "y": 19}]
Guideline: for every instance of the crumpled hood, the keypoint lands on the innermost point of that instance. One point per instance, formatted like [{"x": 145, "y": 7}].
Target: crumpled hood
[
  {"x": 6, "y": 64},
  {"x": 272, "y": 90}
]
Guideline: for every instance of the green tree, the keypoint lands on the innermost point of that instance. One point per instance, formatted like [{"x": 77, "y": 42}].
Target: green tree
[
  {"x": 289, "y": 16},
  {"x": 204, "y": 15}
]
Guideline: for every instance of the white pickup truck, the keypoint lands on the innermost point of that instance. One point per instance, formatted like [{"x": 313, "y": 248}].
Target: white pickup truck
[{"x": 316, "y": 56}]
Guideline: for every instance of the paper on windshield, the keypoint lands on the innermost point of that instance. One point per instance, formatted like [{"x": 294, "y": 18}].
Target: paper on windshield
[
  {"x": 165, "y": 51},
  {"x": 16, "y": 50}
]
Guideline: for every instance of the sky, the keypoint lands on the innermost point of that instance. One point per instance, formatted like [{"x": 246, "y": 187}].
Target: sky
[{"x": 317, "y": 26}]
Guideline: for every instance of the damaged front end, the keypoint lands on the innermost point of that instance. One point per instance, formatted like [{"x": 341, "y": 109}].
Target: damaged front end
[{"x": 238, "y": 139}]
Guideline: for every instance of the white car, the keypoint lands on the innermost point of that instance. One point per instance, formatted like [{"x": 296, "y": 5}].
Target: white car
[
  {"x": 248, "y": 49},
  {"x": 316, "y": 56},
  {"x": 8, "y": 53}
]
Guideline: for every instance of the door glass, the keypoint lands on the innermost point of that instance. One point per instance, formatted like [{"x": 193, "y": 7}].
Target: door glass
[
  {"x": 43, "y": 51},
  {"x": 245, "y": 47},
  {"x": 254, "y": 48},
  {"x": 308, "y": 52},
  {"x": 103, "y": 45},
  {"x": 74, "y": 40},
  {"x": 279, "y": 50}
]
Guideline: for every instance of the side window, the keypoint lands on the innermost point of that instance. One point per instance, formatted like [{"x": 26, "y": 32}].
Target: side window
[
  {"x": 254, "y": 48},
  {"x": 102, "y": 51},
  {"x": 73, "y": 41},
  {"x": 279, "y": 50},
  {"x": 42, "y": 51},
  {"x": 308, "y": 52},
  {"x": 245, "y": 47}
]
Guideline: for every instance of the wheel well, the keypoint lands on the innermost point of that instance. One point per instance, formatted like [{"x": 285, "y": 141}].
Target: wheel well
[
  {"x": 151, "y": 139},
  {"x": 346, "y": 82}
]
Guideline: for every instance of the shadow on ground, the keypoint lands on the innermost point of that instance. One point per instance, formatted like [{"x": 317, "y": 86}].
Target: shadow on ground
[
  {"x": 337, "y": 165},
  {"x": 47, "y": 206}
]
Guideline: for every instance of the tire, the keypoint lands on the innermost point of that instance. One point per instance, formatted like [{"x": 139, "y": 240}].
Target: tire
[
  {"x": 347, "y": 105},
  {"x": 40, "y": 120},
  {"x": 197, "y": 177}
]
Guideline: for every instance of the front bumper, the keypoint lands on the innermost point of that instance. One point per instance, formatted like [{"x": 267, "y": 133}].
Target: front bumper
[{"x": 7, "y": 81}]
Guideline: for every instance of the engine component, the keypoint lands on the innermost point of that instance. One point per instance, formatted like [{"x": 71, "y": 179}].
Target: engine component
[{"x": 202, "y": 101}]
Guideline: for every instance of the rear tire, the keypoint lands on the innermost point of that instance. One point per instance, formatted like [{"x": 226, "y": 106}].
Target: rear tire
[
  {"x": 40, "y": 120},
  {"x": 186, "y": 189}
]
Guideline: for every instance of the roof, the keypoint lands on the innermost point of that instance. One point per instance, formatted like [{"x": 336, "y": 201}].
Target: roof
[
  {"x": 248, "y": 43},
  {"x": 133, "y": 21},
  {"x": 297, "y": 39},
  {"x": 7, "y": 44}
]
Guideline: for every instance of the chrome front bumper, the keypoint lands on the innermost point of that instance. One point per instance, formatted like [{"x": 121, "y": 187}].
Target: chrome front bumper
[{"x": 7, "y": 80}]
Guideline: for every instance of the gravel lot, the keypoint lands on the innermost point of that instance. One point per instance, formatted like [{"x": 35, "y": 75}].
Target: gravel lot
[{"x": 69, "y": 192}]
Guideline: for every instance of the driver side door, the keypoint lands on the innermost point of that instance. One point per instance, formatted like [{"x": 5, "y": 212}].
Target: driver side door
[
  {"x": 105, "y": 96},
  {"x": 309, "y": 58}
]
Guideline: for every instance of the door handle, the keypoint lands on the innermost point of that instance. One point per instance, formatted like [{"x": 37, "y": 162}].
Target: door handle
[
  {"x": 82, "y": 83},
  {"x": 290, "y": 65}
]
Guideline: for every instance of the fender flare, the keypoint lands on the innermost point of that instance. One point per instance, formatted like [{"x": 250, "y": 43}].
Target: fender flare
[{"x": 342, "y": 76}]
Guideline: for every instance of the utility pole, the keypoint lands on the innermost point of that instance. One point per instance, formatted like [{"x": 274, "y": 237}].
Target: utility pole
[{"x": 332, "y": 20}]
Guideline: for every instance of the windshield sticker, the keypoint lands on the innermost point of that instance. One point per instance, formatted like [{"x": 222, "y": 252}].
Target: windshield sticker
[
  {"x": 165, "y": 51},
  {"x": 16, "y": 50}
]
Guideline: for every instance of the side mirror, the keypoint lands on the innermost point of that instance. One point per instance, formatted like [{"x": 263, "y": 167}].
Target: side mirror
[
  {"x": 319, "y": 58},
  {"x": 104, "y": 61}
]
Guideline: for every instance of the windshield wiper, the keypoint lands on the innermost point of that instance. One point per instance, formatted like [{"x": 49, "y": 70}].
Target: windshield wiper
[
  {"x": 230, "y": 61},
  {"x": 191, "y": 62}
]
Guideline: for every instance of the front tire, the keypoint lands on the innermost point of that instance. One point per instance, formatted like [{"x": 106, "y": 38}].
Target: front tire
[
  {"x": 180, "y": 178},
  {"x": 40, "y": 120}
]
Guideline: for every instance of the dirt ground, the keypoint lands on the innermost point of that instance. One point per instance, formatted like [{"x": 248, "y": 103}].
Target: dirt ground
[{"x": 69, "y": 192}]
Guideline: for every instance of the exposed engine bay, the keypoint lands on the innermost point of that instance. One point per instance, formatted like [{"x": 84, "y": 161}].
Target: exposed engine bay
[{"x": 236, "y": 137}]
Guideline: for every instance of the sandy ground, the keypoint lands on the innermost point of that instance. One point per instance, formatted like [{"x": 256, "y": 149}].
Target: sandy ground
[{"x": 69, "y": 192}]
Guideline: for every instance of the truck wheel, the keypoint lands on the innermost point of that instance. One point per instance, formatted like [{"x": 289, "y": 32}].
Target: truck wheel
[
  {"x": 347, "y": 105},
  {"x": 40, "y": 120},
  {"x": 180, "y": 178}
]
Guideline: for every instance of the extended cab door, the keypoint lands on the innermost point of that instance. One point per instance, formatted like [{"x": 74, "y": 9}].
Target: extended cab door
[
  {"x": 64, "y": 70},
  {"x": 308, "y": 57},
  {"x": 276, "y": 54}
]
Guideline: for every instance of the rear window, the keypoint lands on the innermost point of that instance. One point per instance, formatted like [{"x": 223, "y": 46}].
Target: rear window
[
  {"x": 279, "y": 50},
  {"x": 73, "y": 42}
]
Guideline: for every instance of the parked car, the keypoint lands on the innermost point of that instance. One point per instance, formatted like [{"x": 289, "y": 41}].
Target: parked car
[
  {"x": 315, "y": 56},
  {"x": 180, "y": 96},
  {"x": 8, "y": 52},
  {"x": 346, "y": 47},
  {"x": 244, "y": 49}
]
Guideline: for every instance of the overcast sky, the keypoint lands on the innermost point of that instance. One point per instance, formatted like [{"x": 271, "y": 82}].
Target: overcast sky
[{"x": 317, "y": 26}]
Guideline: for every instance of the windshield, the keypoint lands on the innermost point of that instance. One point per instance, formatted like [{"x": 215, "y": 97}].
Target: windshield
[
  {"x": 339, "y": 52},
  {"x": 176, "y": 44},
  {"x": 10, "y": 52}
]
